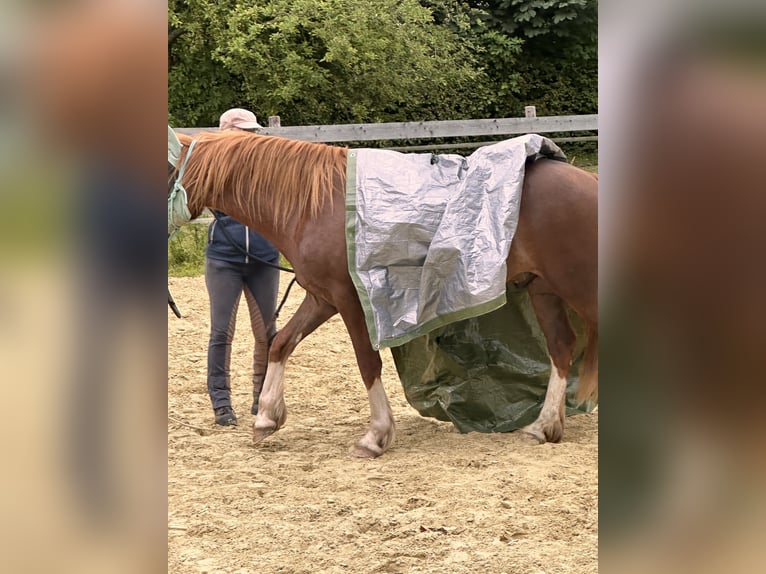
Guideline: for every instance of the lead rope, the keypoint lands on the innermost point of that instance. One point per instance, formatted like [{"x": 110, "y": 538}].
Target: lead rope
[
  {"x": 282, "y": 303},
  {"x": 172, "y": 305}
]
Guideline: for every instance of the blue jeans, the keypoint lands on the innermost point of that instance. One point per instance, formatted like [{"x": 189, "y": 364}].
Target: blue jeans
[{"x": 225, "y": 284}]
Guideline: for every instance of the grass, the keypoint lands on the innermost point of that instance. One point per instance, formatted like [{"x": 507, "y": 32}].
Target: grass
[
  {"x": 583, "y": 155},
  {"x": 186, "y": 251}
]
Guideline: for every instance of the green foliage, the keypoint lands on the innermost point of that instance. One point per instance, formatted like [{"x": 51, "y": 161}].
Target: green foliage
[
  {"x": 538, "y": 18},
  {"x": 338, "y": 61},
  {"x": 541, "y": 52},
  {"x": 328, "y": 61},
  {"x": 559, "y": 87},
  {"x": 186, "y": 251}
]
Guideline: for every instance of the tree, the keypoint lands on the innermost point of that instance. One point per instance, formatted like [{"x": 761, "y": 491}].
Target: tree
[
  {"x": 310, "y": 61},
  {"x": 333, "y": 61},
  {"x": 199, "y": 88},
  {"x": 539, "y": 18},
  {"x": 541, "y": 52},
  {"x": 559, "y": 73}
]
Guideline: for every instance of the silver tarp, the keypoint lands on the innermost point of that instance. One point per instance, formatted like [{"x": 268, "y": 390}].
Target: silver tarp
[{"x": 428, "y": 235}]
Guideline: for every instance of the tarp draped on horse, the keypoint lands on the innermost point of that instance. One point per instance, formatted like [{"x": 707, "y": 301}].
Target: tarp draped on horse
[
  {"x": 294, "y": 193},
  {"x": 428, "y": 235}
]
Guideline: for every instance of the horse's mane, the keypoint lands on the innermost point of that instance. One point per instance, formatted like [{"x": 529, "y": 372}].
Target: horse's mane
[{"x": 298, "y": 176}]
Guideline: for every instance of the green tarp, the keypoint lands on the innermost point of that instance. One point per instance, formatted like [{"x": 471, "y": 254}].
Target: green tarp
[{"x": 485, "y": 374}]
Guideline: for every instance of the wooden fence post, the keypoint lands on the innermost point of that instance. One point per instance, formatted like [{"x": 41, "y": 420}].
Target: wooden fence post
[
  {"x": 530, "y": 112},
  {"x": 274, "y": 122}
]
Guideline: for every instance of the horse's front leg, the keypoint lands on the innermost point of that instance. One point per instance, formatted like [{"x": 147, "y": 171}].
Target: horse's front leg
[
  {"x": 380, "y": 434},
  {"x": 271, "y": 407}
]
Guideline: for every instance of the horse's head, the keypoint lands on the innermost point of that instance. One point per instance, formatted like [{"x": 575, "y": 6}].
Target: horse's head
[{"x": 179, "y": 210}]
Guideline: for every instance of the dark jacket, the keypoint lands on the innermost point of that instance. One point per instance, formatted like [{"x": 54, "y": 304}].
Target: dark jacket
[{"x": 220, "y": 247}]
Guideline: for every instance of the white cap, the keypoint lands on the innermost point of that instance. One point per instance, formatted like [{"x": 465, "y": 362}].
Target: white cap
[{"x": 238, "y": 118}]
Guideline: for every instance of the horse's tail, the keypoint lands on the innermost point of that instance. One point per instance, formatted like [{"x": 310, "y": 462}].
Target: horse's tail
[{"x": 588, "y": 387}]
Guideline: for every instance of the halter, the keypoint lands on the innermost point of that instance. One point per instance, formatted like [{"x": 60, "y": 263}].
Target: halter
[{"x": 178, "y": 209}]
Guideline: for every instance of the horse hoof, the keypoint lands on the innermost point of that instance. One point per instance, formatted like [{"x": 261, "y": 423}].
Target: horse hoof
[
  {"x": 533, "y": 435},
  {"x": 362, "y": 451},
  {"x": 260, "y": 434},
  {"x": 542, "y": 434}
]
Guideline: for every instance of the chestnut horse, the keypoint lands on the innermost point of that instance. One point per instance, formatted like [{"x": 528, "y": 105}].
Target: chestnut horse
[{"x": 293, "y": 193}]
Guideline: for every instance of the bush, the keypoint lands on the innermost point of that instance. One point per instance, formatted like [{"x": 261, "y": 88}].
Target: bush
[{"x": 186, "y": 251}]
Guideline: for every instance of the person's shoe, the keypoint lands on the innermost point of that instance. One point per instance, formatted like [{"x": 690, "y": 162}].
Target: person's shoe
[{"x": 225, "y": 416}]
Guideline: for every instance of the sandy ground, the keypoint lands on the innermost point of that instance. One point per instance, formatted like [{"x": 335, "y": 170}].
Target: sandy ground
[{"x": 437, "y": 501}]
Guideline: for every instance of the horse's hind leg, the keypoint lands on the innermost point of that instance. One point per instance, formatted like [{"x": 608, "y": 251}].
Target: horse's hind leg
[
  {"x": 271, "y": 407},
  {"x": 551, "y": 313}
]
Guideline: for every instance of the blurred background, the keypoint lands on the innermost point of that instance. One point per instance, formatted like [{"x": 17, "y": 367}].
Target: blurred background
[
  {"x": 682, "y": 89},
  {"x": 83, "y": 86},
  {"x": 83, "y": 99}
]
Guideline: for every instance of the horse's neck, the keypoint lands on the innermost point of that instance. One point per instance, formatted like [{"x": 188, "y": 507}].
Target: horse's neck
[{"x": 260, "y": 220}]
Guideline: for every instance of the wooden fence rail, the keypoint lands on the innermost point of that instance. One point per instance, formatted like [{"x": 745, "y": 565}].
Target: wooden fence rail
[{"x": 428, "y": 130}]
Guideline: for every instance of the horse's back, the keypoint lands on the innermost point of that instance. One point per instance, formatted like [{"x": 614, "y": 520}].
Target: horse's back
[{"x": 557, "y": 183}]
